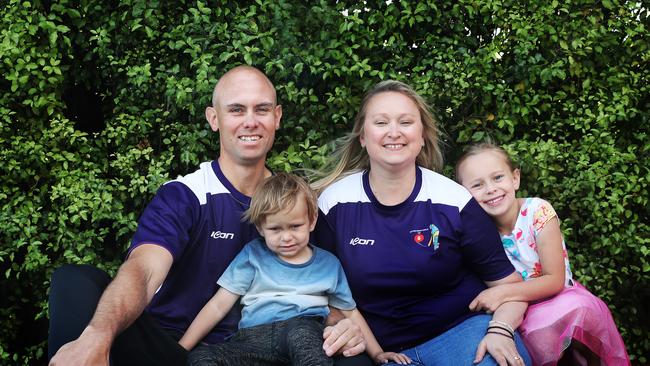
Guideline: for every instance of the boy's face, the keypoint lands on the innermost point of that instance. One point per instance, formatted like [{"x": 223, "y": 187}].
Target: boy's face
[{"x": 287, "y": 232}]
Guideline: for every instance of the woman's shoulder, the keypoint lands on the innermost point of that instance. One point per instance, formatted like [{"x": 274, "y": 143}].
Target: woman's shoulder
[
  {"x": 440, "y": 189},
  {"x": 346, "y": 189}
]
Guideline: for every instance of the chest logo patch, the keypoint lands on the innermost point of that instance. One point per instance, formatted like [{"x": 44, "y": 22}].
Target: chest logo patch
[{"x": 420, "y": 237}]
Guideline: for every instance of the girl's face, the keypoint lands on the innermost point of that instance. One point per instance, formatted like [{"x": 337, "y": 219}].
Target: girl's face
[
  {"x": 489, "y": 179},
  {"x": 392, "y": 131}
]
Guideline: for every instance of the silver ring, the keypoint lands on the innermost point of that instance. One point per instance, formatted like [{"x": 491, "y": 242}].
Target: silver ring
[{"x": 517, "y": 358}]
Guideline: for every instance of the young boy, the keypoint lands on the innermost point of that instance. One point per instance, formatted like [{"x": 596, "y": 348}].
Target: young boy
[{"x": 285, "y": 285}]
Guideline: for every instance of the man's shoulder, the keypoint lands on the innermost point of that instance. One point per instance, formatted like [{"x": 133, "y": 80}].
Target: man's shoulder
[{"x": 202, "y": 182}]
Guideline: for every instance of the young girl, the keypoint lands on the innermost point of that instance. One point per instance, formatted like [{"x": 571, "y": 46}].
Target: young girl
[{"x": 562, "y": 312}]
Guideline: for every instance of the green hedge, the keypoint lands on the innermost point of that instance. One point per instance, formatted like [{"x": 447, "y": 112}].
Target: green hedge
[{"x": 101, "y": 103}]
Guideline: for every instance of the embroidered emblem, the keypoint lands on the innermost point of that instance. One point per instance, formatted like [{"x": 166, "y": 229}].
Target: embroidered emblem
[
  {"x": 435, "y": 233},
  {"x": 419, "y": 236}
]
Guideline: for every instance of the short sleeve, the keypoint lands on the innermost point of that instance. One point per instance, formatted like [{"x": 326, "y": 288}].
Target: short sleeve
[
  {"x": 543, "y": 212},
  {"x": 237, "y": 278},
  {"x": 341, "y": 296},
  {"x": 481, "y": 244},
  {"x": 167, "y": 220},
  {"x": 323, "y": 235}
]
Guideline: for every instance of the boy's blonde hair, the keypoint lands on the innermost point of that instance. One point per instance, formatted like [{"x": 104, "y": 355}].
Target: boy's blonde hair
[
  {"x": 476, "y": 149},
  {"x": 278, "y": 193}
]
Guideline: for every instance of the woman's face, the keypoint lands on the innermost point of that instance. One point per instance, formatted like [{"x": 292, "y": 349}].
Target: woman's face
[{"x": 392, "y": 131}]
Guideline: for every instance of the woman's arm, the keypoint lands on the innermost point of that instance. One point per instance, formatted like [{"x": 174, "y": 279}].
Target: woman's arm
[
  {"x": 211, "y": 314},
  {"x": 372, "y": 346},
  {"x": 342, "y": 335},
  {"x": 551, "y": 282}
]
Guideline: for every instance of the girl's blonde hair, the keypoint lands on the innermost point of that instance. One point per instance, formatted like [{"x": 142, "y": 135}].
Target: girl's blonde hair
[
  {"x": 476, "y": 149},
  {"x": 277, "y": 193},
  {"x": 350, "y": 157}
]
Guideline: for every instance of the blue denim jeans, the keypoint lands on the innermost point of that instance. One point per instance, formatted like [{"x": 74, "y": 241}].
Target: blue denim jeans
[{"x": 457, "y": 346}]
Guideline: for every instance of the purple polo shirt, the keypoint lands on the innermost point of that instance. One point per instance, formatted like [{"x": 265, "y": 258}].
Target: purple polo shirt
[
  {"x": 413, "y": 268},
  {"x": 197, "y": 218}
]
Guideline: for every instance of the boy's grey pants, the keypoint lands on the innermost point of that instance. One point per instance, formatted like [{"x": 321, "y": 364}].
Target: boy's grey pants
[{"x": 296, "y": 341}]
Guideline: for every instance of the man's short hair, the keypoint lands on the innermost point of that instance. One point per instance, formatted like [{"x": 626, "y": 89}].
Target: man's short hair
[{"x": 278, "y": 193}]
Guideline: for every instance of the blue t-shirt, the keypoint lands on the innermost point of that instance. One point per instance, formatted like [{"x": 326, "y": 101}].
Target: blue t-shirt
[
  {"x": 197, "y": 218},
  {"x": 274, "y": 290},
  {"x": 414, "y": 267}
]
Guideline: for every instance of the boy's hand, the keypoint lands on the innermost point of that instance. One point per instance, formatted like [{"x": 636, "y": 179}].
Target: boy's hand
[
  {"x": 488, "y": 300},
  {"x": 386, "y": 357}
]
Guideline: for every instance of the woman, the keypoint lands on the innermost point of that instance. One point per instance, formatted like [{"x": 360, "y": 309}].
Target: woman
[{"x": 417, "y": 249}]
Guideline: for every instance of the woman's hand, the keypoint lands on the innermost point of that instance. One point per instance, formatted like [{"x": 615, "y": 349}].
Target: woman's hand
[
  {"x": 489, "y": 299},
  {"x": 344, "y": 336},
  {"x": 502, "y": 348},
  {"x": 386, "y": 357}
]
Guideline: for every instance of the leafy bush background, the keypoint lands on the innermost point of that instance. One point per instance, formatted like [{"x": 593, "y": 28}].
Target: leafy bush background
[{"x": 101, "y": 103}]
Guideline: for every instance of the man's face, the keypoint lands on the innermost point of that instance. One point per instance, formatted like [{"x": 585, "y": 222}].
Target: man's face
[{"x": 246, "y": 116}]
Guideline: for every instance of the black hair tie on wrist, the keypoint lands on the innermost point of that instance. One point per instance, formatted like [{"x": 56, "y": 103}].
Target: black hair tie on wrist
[{"x": 501, "y": 334}]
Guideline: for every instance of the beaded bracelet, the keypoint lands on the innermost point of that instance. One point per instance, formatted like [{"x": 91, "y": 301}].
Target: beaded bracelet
[
  {"x": 501, "y": 334},
  {"x": 503, "y": 324}
]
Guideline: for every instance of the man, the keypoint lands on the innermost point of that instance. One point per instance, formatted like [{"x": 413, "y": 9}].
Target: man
[{"x": 185, "y": 239}]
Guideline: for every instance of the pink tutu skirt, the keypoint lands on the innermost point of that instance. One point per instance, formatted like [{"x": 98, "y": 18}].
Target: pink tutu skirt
[{"x": 549, "y": 326}]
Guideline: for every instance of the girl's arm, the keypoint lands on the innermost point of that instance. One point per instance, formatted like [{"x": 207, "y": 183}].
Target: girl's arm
[
  {"x": 211, "y": 314},
  {"x": 551, "y": 257},
  {"x": 503, "y": 349},
  {"x": 372, "y": 346}
]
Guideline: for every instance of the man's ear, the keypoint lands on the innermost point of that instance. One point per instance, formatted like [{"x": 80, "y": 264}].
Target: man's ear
[
  {"x": 278, "y": 115},
  {"x": 516, "y": 178},
  {"x": 212, "y": 116}
]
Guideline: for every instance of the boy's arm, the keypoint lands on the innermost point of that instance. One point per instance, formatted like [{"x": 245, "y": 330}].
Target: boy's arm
[{"x": 211, "y": 314}]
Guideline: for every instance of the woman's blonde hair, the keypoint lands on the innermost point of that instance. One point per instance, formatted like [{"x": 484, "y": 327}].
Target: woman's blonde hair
[
  {"x": 277, "y": 193},
  {"x": 349, "y": 156}
]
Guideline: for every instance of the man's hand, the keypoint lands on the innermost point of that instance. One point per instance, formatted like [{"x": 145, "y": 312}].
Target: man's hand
[
  {"x": 90, "y": 349},
  {"x": 344, "y": 336}
]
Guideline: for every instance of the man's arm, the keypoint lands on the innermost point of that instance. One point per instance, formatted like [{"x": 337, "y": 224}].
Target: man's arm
[{"x": 120, "y": 305}]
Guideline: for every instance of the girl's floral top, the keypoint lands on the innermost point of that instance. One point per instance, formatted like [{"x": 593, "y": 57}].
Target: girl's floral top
[{"x": 521, "y": 244}]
